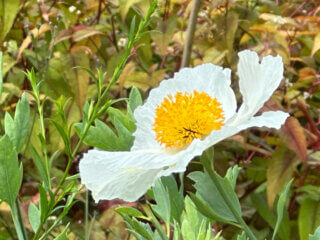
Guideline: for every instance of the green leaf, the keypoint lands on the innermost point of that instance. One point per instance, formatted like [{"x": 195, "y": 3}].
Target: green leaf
[
  {"x": 260, "y": 204},
  {"x": 232, "y": 175},
  {"x": 10, "y": 172},
  {"x": 40, "y": 166},
  {"x": 135, "y": 99},
  {"x": 209, "y": 192},
  {"x": 194, "y": 225},
  {"x": 316, "y": 235},
  {"x": 43, "y": 203},
  {"x": 163, "y": 207},
  {"x": 139, "y": 228},
  {"x": 63, "y": 135},
  {"x": 155, "y": 222},
  {"x": 34, "y": 216},
  {"x": 175, "y": 196},
  {"x": 132, "y": 28},
  {"x": 103, "y": 137},
  {"x": 242, "y": 236},
  {"x": 126, "y": 120},
  {"x": 63, "y": 235},
  {"x": 280, "y": 169},
  {"x": 309, "y": 218},
  {"x": 280, "y": 207},
  {"x": 8, "y": 13},
  {"x": 130, "y": 211},
  {"x": 17, "y": 128},
  {"x": 204, "y": 208}
]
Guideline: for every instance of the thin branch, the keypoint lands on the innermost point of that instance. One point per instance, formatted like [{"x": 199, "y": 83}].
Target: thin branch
[{"x": 190, "y": 33}]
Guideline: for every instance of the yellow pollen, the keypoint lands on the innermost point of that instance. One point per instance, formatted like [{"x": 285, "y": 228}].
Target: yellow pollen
[{"x": 186, "y": 116}]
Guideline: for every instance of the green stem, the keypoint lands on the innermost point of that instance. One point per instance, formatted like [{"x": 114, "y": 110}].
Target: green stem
[
  {"x": 86, "y": 214},
  {"x": 18, "y": 221},
  {"x": 43, "y": 133},
  {"x": 190, "y": 33},
  {"x": 168, "y": 229},
  {"x": 96, "y": 113}
]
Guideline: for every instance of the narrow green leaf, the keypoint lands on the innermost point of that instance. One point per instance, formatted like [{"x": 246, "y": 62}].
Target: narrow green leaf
[
  {"x": 63, "y": 135},
  {"x": 130, "y": 211},
  {"x": 209, "y": 192},
  {"x": 260, "y": 204},
  {"x": 135, "y": 99},
  {"x": 242, "y": 236},
  {"x": 63, "y": 234},
  {"x": 232, "y": 175},
  {"x": 139, "y": 229},
  {"x": 10, "y": 172},
  {"x": 163, "y": 207},
  {"x": 309, "y": 217},
  {"x": 40, "y": 165},
  {"x": 175, "y": 196},
  {"x": 132, "y": 28},
  {"x": 155, "y": 222},
  {"x": 43, "y": 203},
  {"x": 34, "y": 216},
  {"x": 280, "y": 207},
  {"x": 17, "y": 128},
  {"x": 194, "y": 224}
]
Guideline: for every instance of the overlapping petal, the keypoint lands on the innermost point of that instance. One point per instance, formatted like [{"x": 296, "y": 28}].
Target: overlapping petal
[{"x": 128, "y": 175}]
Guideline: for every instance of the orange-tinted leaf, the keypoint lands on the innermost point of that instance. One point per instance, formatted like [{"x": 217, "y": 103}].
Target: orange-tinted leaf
[
  {"x": 306, "y": 73},
  {"x": 280, "y": 169},
  {"x": 316, "y": 44},
  {"x": 36, "y": 33},
  {"x": 293, "y": 135}
]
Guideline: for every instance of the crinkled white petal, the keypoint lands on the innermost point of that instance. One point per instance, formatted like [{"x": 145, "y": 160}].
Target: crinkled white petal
[
  {"x": 208, "y": 78},
  {"x": 272, "y": 119},
  {"x": 257, "y": 81},
  {"x": 126, "y": 175},
  {"x": 112, "y": 175}
]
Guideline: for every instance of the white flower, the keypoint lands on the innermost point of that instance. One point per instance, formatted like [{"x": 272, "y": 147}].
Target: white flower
[
  {"x": 203, "y": 13},
  {"x": 279, "y": 20},
  {"x": 122, "y": 42},
  {"x": 306, "y": 95},
  {"x": 183, "y": 117},
  {"x": 72, "y": 9}
]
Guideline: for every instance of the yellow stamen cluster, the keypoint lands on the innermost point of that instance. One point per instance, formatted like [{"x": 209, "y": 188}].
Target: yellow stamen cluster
[{"x": 186, "y": 116}]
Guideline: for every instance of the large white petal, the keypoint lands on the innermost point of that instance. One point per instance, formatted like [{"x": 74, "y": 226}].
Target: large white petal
[
  {"x": 112, "y": 175},
  {"x": 208, "y": 78},
  {"x": 271, "y": 119},
  {"x": 128, "y": 175},
  {"x": 257, "y": 81}
]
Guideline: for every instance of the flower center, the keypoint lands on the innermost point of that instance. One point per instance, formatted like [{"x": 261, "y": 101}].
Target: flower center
[{"x": 186, "y": 116}]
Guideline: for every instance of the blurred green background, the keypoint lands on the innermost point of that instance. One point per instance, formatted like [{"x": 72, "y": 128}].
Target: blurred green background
[{"x": 54, "y": 36}]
